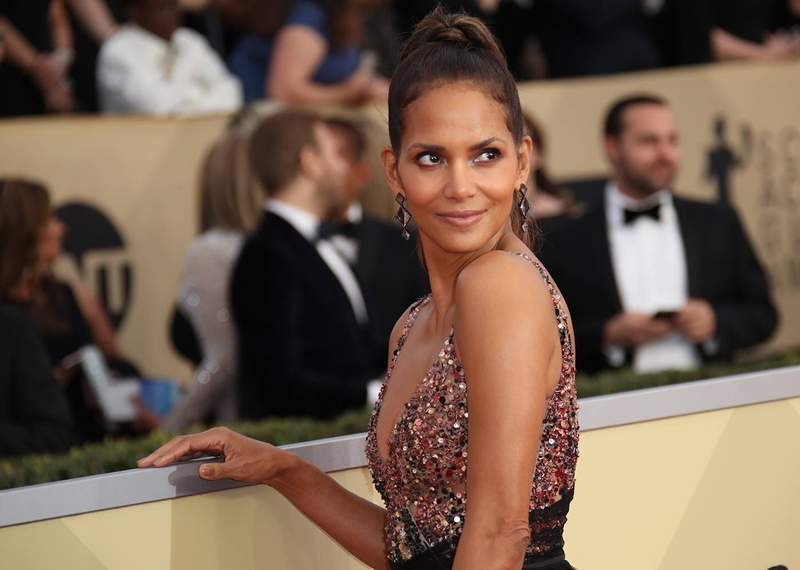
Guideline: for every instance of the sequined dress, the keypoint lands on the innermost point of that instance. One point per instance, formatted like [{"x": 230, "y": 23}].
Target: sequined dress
[{"x": 423, "y": 480}]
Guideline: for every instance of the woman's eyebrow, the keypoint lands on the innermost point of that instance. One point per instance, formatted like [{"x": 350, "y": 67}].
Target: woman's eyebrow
[
  {"x": 484, "y": 143},
  {"x": 423, "y": 146},
  {"x": 439, "y": 148}
]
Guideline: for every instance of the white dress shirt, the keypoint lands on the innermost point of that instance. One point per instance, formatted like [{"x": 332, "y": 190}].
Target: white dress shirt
[
  {"x": 649, "y": 264},
  {"x": 307, "y": 225},
  {"x": 348, "y": 246},
  {"x": 139, "y": 72}
]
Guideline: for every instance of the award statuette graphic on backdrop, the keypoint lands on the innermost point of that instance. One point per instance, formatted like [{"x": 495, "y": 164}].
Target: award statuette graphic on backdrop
[{"x": 95, "y": 251}]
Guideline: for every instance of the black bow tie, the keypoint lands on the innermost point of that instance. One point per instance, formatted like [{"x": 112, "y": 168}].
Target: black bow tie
[
  {"x": 652, "y": 212},
  {"x": 329, "y": 229}
]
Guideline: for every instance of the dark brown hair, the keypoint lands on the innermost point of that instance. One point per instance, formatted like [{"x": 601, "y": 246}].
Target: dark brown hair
[
  {"x": 24, "y": 213},
  {"x": 451, "y": 48},
  {"x": 614, "y": 123},
  {"x": 275, "y": 147}
]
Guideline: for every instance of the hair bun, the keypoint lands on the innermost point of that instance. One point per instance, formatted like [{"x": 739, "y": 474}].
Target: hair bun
[{"x": 459, "y": 29}]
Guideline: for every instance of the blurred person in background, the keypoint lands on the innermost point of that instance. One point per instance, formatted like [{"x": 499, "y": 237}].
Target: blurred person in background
[
  {"x": 702, "y": 31},
  {"x": 93, "y": 23},
  {"x": 787, "y": 18},
  {"x": 300, "y": 315},
  {"x": 243, "y": 18},
  {"x": 550, "y": 203},
  {"x": 744, "y": 29},
  {"x": 580, "y": 38},
  {"x": 388, "y": 267},
  {"x": 154, "y": 66},
  {"x": 34, "y": 414},
  {"x": 675, "y": 282},
  {"x": 34, "y": 74},
  {"x": 230, "y": 206},
  {"x": 312, "y": 58},
  {"x": 67, "y": 316}
]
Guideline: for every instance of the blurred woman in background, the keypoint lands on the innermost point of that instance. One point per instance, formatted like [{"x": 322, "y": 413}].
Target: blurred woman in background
[
  {"x": 230, "y": 206},
  {"x": 311, "y": 56},
  {"x": 34, "y": 414},
  {"x": 67, "y": 315},
  {"x": 550, "y": 202}
]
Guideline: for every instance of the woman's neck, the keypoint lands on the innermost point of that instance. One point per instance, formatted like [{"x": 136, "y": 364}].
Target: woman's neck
[{"x": 443, "y": 270}]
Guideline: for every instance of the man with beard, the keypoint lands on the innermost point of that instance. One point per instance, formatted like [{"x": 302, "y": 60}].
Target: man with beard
[
  {"x": 654, "y": 280},
  {"x": 299, "y": 312}
]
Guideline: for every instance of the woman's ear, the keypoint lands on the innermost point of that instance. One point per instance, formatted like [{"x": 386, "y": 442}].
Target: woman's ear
[
  {"x": 528, "y": 160},
  {"x": 390, "y": 171}
]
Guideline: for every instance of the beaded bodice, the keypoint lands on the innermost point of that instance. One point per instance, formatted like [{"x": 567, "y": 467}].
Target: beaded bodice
[{"x": 423, "y": 480}]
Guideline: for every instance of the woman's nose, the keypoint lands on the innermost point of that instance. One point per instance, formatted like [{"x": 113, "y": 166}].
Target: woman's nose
[{"x": 459, "y": 184}]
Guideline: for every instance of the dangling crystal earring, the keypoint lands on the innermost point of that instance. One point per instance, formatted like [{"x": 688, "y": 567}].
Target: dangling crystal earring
[
  {"x": 403, "y": 216},
  {"x": 524, "y": 206}
]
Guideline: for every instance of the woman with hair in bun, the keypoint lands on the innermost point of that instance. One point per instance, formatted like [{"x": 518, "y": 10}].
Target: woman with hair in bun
[{"x": 473, "y": 440}]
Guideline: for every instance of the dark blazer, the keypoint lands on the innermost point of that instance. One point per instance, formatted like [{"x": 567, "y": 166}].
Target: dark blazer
[
  {"x": 722, "y": 268},
  {"x": 34, "y": 415},
  {"x": 391, "y": 276},
  {"x": 301, "y": 350}
]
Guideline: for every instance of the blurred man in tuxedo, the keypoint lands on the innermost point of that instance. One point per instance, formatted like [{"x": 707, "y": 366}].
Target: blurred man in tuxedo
[
  {"x": 300, "y": 315},
  {"x": 652, "y": 279},
  {"x": 388, "y": 267}
]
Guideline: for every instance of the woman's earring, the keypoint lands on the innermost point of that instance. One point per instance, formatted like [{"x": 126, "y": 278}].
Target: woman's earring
[
  {"x": 524, "y": 206},
  {"x": 403, "y": 216}
]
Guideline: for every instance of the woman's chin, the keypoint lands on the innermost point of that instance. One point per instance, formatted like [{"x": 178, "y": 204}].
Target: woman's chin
[{"x": 461, "y": 243}]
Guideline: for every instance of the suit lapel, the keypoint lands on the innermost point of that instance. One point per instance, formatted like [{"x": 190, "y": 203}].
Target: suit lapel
[
  {"x": 692, "y": 244},
  {"x": 367, "y": 253},
  {"x": 276, "y": 228},
  {"x": 598, "y": 238}
]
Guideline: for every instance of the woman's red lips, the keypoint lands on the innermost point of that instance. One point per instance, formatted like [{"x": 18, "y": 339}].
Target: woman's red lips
[{"x": 462, "y": 218}]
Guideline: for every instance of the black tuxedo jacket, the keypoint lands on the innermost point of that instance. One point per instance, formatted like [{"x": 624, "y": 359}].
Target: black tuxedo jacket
[
  {"x": 34, "y": 414},
  {"x": 391, "y": 276},
  {"x": 301, "y": 350},
  {"x": 722, "y": 268}
]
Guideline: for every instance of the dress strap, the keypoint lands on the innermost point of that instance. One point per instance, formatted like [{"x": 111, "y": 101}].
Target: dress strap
[
  {"x": 558, "y": 304},
  {"x": 413, "y": 312}
]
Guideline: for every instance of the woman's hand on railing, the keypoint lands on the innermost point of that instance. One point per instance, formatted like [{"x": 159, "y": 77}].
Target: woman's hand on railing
[{"x": 245, "y": 459}]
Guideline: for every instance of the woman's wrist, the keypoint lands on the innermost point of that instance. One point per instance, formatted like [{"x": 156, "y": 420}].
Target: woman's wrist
[{"x": 288, "y": 473}]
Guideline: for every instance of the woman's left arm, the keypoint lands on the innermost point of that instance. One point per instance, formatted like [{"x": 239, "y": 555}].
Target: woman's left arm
[
  {"x": 96, "y": 318},
  {"x": 507, "y": 340}
]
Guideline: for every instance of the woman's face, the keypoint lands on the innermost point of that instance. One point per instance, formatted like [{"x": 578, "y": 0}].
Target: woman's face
[
  {"x": 458, "y": 167},
  {"x": 50, "y": 241}
]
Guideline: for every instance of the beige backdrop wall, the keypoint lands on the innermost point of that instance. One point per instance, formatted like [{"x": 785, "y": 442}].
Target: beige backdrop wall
[
  {"x": 715, "y": 490},
  {"x": 142, "y": 173}
]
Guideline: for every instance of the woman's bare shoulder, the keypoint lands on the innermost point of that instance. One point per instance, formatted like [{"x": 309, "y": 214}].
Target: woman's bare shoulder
[{"x": 501, "y": 278}]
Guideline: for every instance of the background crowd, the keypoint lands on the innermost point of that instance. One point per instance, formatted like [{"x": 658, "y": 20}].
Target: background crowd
[
  {"x": 290, "y": 289},
  {"x": 195, "y": 56}
]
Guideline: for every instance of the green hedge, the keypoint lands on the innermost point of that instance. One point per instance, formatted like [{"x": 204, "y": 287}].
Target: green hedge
[{"x": 116, "y": 455}]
